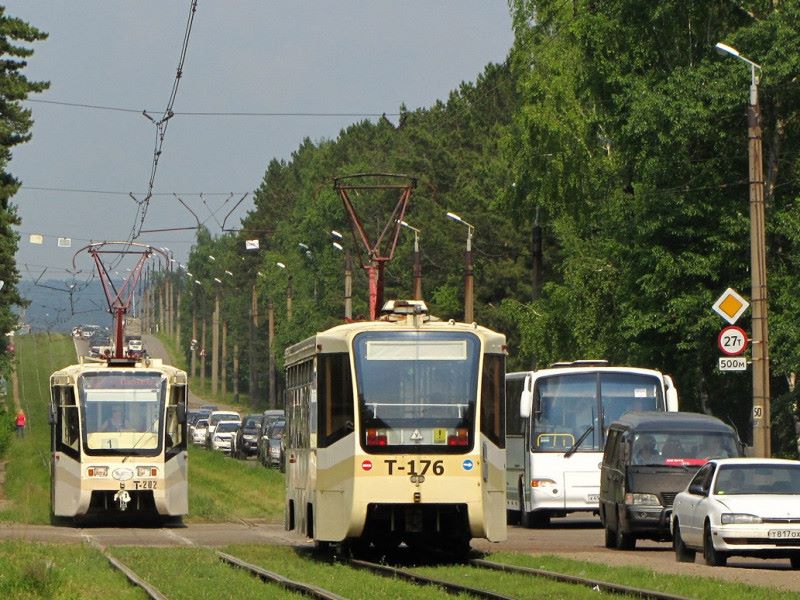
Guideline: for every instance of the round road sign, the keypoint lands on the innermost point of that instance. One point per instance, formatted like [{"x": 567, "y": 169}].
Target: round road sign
[{"x": 732, "y": 340}]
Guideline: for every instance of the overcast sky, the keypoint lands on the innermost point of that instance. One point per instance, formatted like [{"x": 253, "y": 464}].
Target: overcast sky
[{"x": 253, "y": 56}]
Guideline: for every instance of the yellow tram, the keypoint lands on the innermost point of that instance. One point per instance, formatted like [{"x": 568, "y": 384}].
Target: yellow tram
[
  {"x": 395, "y": 432},
  {"x": 118, "y": 439}
]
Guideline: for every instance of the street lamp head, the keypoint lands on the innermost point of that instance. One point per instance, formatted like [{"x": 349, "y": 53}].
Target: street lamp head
[
  {"x": 454, "y": 216},
  {"x": 228, "y": 273},
  {"x": 407, "y": 226},
  {"x": 212, "y": 258},
  {"x": 218, "y": 280},
  {"x": 280, "y": 265},
  {"x": 337, "y": 235},
  {"x": 303, "y": 247},
  {"x": 338, "y": 246},
  {"x": 723, "y": 48}
]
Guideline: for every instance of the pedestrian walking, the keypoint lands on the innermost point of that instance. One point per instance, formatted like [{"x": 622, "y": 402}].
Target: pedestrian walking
[{"x": 20, "y": 422}]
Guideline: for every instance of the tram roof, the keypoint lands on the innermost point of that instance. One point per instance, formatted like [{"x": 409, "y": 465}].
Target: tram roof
[
  {"x": 337, "y": 338},
  {"x": 89, "y": 366}
]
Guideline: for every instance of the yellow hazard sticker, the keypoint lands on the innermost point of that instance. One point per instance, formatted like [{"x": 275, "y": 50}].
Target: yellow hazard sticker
[{"x": 439, "y": 435}]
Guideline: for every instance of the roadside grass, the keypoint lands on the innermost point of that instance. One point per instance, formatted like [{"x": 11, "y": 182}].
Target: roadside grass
[
  {"x": 60, "y": 571},
  {"x": 682, "y": 585},
  {"x": 27, "y": 487},
  {"x": 222, "y": 488},
  {"x": 192, "y": 573}
]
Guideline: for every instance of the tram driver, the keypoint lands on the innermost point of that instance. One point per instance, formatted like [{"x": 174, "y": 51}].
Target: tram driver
[{"x": 116, "y": 422}]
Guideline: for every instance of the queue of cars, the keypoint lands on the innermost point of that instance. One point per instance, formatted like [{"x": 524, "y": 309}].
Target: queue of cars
[
  {"x": 684, "y": 477},
  {"x": 259, "y": 435}
]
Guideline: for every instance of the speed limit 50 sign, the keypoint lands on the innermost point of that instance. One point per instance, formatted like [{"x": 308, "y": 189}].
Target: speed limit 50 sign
[{"x": 732, "y": 341}]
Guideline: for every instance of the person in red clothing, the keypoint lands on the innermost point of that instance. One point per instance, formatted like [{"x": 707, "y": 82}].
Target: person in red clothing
[{"x": 20, "y": 422}]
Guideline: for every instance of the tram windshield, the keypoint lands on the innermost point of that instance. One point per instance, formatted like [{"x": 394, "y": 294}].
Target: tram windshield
[
  {"x": 122, "y": 410},
  {"x": 417, "y": 389},
  {"x": 572, "y": 406}
]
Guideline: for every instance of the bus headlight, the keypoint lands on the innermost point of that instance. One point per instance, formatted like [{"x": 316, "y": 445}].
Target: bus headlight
[{"x": 542, "y": 483}]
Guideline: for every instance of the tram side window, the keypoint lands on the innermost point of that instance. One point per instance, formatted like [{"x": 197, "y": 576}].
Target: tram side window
[
  {"x": 298, "y": 392},
  {"x": 493, "y": 401},
  {"x": 69, "y": 429},
  {"x": 334, "y": 398},
  {"x": 174, "y": 431}
]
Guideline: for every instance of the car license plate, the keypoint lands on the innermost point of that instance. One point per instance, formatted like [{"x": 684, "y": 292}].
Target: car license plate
[
  {"x": 784, "y": 534},
  {"x": 593, "y": 498}
]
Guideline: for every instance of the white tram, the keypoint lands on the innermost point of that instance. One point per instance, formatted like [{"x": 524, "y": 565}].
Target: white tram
[
  {"x": 395, "y": 432},
  {"x": 118, "y": 439}
]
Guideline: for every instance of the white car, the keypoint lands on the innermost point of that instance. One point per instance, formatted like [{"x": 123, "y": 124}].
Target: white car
[
  {"x": 199, "y": 430},
  {"x": 222, "y": 437},
  {"x": 739, "y": 506},
  {"x": 215, "y": 417}
]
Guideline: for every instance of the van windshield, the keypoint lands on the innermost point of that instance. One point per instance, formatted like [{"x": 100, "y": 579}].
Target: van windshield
[{"x": 678, "y": 449}]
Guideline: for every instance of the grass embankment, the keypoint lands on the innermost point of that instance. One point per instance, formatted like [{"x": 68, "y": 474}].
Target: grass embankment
[{"x": 220, "y": 488}]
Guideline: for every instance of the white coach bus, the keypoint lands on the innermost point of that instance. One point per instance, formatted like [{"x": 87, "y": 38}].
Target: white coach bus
[
  {"x": 395, "y": 433},
  {"x": 557, "y": 420}
]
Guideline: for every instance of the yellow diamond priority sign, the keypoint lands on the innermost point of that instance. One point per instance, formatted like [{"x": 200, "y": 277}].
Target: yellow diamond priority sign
[{"x": 730, "y": 306}]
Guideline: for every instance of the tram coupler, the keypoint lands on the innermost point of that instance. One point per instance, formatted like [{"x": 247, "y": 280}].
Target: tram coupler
[{"x": 123, "y": 497}]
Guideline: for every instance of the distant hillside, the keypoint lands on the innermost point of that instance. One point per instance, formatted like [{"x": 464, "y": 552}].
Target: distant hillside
[{"x": 53, "y": 307}]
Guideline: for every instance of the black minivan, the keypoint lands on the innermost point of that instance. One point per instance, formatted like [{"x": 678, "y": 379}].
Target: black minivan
[{"x": 649, "y": 457}]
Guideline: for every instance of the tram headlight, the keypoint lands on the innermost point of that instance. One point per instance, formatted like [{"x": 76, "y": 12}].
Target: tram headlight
[
  {"x": 148, "y": 471},
  {"x": 97, "y": 471}
]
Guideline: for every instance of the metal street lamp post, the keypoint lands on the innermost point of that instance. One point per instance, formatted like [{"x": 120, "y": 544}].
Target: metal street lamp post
[
  {"x": 348, "y": 275},
  {"x": 758, "y": 266},
  {"x": 468, "y": 270},
  {"x": 417, "y": 273}
]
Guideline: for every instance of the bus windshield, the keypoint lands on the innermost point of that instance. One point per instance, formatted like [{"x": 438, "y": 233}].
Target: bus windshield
[
  {"x": 417, "y": 388},
  {"x": 569, "y": 404},
  {"x": 121, "y": 410}
]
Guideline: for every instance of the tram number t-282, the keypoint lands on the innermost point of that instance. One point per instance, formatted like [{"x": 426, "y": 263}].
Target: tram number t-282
[
  {"x": 436, "y": 467},
  {"x": 144, "y": 485}
]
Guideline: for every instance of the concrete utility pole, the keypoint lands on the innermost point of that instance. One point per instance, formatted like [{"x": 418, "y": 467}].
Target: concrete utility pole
[
  {"x": 469, "y": 286},
  {"x": 271, "y": 395},
  {"x": 762, "y": 443},
  {"x": 215, "y": 345}
]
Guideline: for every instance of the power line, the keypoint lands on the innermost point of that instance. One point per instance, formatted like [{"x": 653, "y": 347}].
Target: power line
[
  {"x": 219, "y": 113},
  {"x": 121, "y": 193},
  {"x": 162, "y": 124}
]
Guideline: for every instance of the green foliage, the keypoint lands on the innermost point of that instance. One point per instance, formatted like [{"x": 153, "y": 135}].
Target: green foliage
[
  {"x": 15, "y": 126},
  {"x": 618, "y": 130}
]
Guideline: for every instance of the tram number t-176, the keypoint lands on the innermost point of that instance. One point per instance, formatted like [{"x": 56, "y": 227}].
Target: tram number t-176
[{"x": 436, "y": 467}]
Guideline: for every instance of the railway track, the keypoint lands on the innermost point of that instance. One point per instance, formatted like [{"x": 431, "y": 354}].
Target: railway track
[{"x": 405, "y": 574}]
